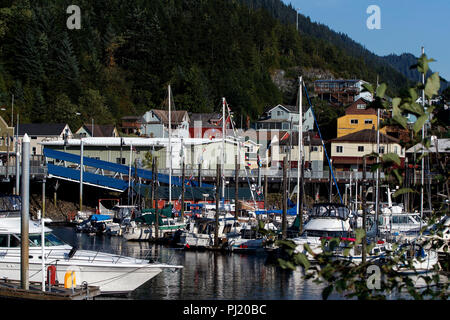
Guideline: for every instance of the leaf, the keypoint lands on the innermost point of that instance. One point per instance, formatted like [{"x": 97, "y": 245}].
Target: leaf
[
  {"x": 397, "y": 114},
  {"x": 302, "y": 259},
  {"x": 413, "y": 94},
  {"x": 367, "y": 87},
  {"x": 308, "y": 249},
  {"x": 402, "y": 191},
  {"x": 391, "y": 157},
  {"x": 398, "y": 176},
  {"x": 422, "y": 64},
  {"x": 413, "y": 108},
  {"x": 287, "y": 243},
  {"x": 419, "y": 123},
  {"x": 360, "y": 233},
  {"x": 327, "y": 291},
  {"x": 381, "y": 90},
  {"x": 433, "y": 85},
  {"x": 401, "y": 120}
]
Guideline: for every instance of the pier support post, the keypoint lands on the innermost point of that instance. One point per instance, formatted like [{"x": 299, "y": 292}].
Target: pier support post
[
  {"x": 81, "y": 173},
  {"x": 25, "y": 217}
]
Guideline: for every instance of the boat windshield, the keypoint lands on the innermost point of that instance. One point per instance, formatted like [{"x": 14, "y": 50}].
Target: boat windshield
[
  {"x": 330, "y": 210},
  {"x": 50, "y": 240}
]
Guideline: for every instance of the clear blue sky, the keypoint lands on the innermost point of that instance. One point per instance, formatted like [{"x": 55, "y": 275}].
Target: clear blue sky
[{"x": 406, "y": 26}]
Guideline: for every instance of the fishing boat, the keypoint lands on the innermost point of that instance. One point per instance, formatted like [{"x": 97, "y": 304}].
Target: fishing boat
[{"x": 112, "y": 273}]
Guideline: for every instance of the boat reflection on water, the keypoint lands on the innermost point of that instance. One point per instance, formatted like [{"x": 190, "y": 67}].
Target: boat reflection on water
[{"x": 206, "y": 274}]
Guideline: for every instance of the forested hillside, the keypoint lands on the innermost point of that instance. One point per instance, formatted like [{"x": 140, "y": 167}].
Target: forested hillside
[
  {"x": 375, "y": 64},
  {"x": 127, "y": 51}
]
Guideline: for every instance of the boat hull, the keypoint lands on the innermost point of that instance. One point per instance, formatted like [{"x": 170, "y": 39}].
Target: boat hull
[{"x": 111, "y": 273}]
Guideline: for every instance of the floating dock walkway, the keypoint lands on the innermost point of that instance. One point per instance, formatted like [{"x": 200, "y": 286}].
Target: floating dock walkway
[{"x": 11, "y": 289}]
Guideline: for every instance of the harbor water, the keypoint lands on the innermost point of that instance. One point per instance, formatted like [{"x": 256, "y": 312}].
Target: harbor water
[{"x": 206, "y": 275}]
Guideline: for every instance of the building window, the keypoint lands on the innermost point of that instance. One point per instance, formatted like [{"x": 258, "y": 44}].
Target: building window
[
  {"x": 279, "y": 113},
  {"x": 339, "y": 149},
  {"x": 361, "y": 106},
  {"x": 314, "y": 148},
  {"x": 354, "y": 121},
  {"x": 120, "y": 160},
  {"x": 360, "y": 148},
  {"x": 368, "y": 121},
  {"x": 395, "y": 149},
  {"x": 381, "y": 150}
]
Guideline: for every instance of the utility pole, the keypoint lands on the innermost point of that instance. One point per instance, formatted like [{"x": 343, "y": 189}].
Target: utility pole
[
  {"x": 25, "y": 213},
  {"x": 17, "y": 158}
]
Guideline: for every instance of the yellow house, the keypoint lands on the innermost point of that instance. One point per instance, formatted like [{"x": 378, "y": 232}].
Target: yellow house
[{"x": 358, "y": 116}]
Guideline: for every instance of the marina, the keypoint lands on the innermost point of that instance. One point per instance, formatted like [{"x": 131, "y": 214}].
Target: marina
[{"x": 211, "y": 150}]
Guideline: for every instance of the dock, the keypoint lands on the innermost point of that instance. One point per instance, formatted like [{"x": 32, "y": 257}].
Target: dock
[{"x": 11, "y": 289}]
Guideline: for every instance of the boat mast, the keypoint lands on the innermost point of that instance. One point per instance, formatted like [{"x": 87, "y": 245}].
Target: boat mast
[
  {"x": 223, "y": 151},
  {"x": 377, "y": 192},
  {"x": 300, "y": 150},
  {"x": 422, "y": 161},
  {"x": 170, "y": 150}
]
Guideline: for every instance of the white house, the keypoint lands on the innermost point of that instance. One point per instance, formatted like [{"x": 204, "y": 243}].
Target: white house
[{"x": 42, "y": 132}]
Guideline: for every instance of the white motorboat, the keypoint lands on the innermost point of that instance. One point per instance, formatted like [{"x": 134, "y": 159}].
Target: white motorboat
[
  {"x": 326, "y": 220},
  {"x": 199, "y": 233},
  {"x": 247, "y": 240},
  {"x": 110, "y": 272}
]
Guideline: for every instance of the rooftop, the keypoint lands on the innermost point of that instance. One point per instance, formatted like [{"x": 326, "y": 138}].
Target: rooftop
[
  {"x": 366, "y": 135},
  {"x": 41, "y": 129}
]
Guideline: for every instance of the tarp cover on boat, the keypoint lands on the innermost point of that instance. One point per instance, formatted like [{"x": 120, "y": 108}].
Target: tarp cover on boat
[
  {"x": 99, "y": 217},
  {"x": 165, "y": 212},
  {"x": 149, "y": 218}
]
